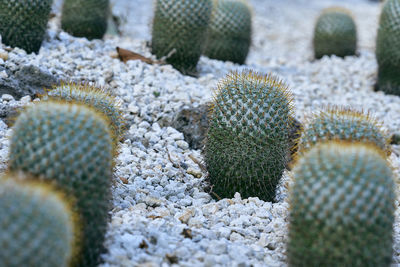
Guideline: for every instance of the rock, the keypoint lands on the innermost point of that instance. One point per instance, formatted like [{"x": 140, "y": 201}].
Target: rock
[
  {"x": 25, "y": 80},
  {"x": 193, "y": 123}
]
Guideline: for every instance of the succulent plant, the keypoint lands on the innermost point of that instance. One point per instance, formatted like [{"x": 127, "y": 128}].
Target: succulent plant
[
  {"x": 23, "y": 23},
  {"x": 248, "y": 136},
  {"x": 97, "y": 98},
  {"x": 38, "y": 227},
  {"x": 70, "y": 144},
  {"x": 180, "y": 31},
  {"x": 85, "y": 18},
  {"x": 339, "y": 123},
  {"x": 229, "y": 35},
  {"x": 335, "y": 33},
  {"x": 387, "y": 53},
  {"x": 341, "y": 207}
]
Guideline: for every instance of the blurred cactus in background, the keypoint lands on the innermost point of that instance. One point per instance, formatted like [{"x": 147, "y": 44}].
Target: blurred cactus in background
[
  {"x": 180, "y": 32},
  {"x": 335, "y": 33},
  {"x": 387, "y": 48},
  {"x": 341, "y": 207},
  {"x": 23, "y": 23},
  {"x": 248, "y": 136},
  {"x": 229, "y": 35},
  {"x": 70, "y": 144},
  {"x": 85, "y": 18},
  {"x": 38, "y": 227}
]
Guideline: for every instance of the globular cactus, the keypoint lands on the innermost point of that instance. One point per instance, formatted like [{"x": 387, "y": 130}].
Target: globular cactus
[
  {"x": 341, "y": 207},
  {"x": 387, "y": 52},
  {"x": 335, "y": 33},
  {"x": 97, "y": 98},
  {"x": 336, "y": 123},
  {"x": 85, "y": 18},
  {"x": 180, "y": 31},
  {"x": 229, "y": 35},
  {"x": 248, "y": 136},
  {"x": 70, "y": 144},
  {"x": 23, "y": 23},
  {"x": 38, "y": 226}
]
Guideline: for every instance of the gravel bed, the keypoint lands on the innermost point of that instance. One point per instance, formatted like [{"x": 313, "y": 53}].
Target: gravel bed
[{"x": 161, "y": 214}]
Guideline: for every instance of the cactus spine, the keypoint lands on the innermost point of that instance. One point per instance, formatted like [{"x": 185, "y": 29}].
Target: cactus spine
[
  {"x": 38, "y": 227},
  {"x": 229, "y": 35},
  {"x": 23, "y": 23},
  {"x": 335, "y": 33},
  {"x": 341, "y": 207},
  {"x": 387, "y": 53},
  {"x": 85, "y": 18},
  {"x": 70, "y": 144},
  {"x": 248, "y": 136},
  {"x": 181, "y": 26},
  {"x": 336, "y": 123}
]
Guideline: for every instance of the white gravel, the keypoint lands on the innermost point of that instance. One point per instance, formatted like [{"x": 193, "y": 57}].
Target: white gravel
[{"x": 161, "y": 215}]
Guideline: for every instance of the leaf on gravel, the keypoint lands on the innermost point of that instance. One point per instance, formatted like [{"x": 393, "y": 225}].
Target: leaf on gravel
[{"x": 125, "y": 55}]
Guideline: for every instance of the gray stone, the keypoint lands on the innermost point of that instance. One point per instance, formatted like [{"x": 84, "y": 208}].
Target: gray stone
[
  {"x": 193, "y": 123},
  {"x": 25, "y": 80}
]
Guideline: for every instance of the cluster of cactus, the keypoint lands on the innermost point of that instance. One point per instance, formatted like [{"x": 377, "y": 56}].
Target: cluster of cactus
[
  {"x": 229, "y": 34},
  {"x": 23, "y": 23},
  {"x": 85, "y": 18},
  {"x": 341, "y": 207},
  {"x": 335, "y": 34},
  {"x": 338, "y": 123},
  {"x": 38, "y": 226},
  {"x": 70, "y": 144},
  {"x": 387, "y": 53},
  {"x": 248, "y": 136},
  {"x": 97, "y": 98},
  {"x": 179, "y": 32}
]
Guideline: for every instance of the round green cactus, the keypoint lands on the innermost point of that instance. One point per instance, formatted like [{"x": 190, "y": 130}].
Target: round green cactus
[
  {"x": 38, "y": 227},
  {"x": 70, "y": 144},
  {"x": 248, "y": 137},
  {"x": 85, "y": 18},
  {"x": 335, "y": 33},
  {"x": 341, "y": 207},
  {"x": 23, "y": 23},
  {"x": 387, "y": 52},
  {"x": 229, "y": 35},
  {"x": 97, "y": 98},
  {"x": 180, "y": 31},
  {"x": 335, "y": 123}
]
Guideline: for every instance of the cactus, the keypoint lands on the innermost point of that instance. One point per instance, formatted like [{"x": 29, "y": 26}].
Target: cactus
[
  {"x": 343, "y": 124},
  {"x": 97, "y": 98},
  {"x": 248, "y": 136},
  {"x": 341, "y": 207},
  {"x": 85, "y": 18},
  {"x": 38, "y": 227},
  {"x": 229, "y": 35},
  {"x": 335, "y": 34},
  {"x": 70, "y": 144},
  {"x": 387, "y": 53},
  {"x": 23, "y": 23},
  {"x": 180, "y": 31}
]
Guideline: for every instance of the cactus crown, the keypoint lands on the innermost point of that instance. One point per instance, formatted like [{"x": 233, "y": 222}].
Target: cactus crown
[
  {"x": 98, "y": 98},
  {"x": 335, "y": 33},
  {"x": 247, "y": 140},
  {"x": 71, "y": 144},
  {"x": 23, "y": 23},
  {"x": 341, "y": 206},
  {"x": 387, "y": 52},
  {"x": 341, "y": 123},
  {"x": 38, "y": 224},
  {"x": 229, "y": 35}
]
